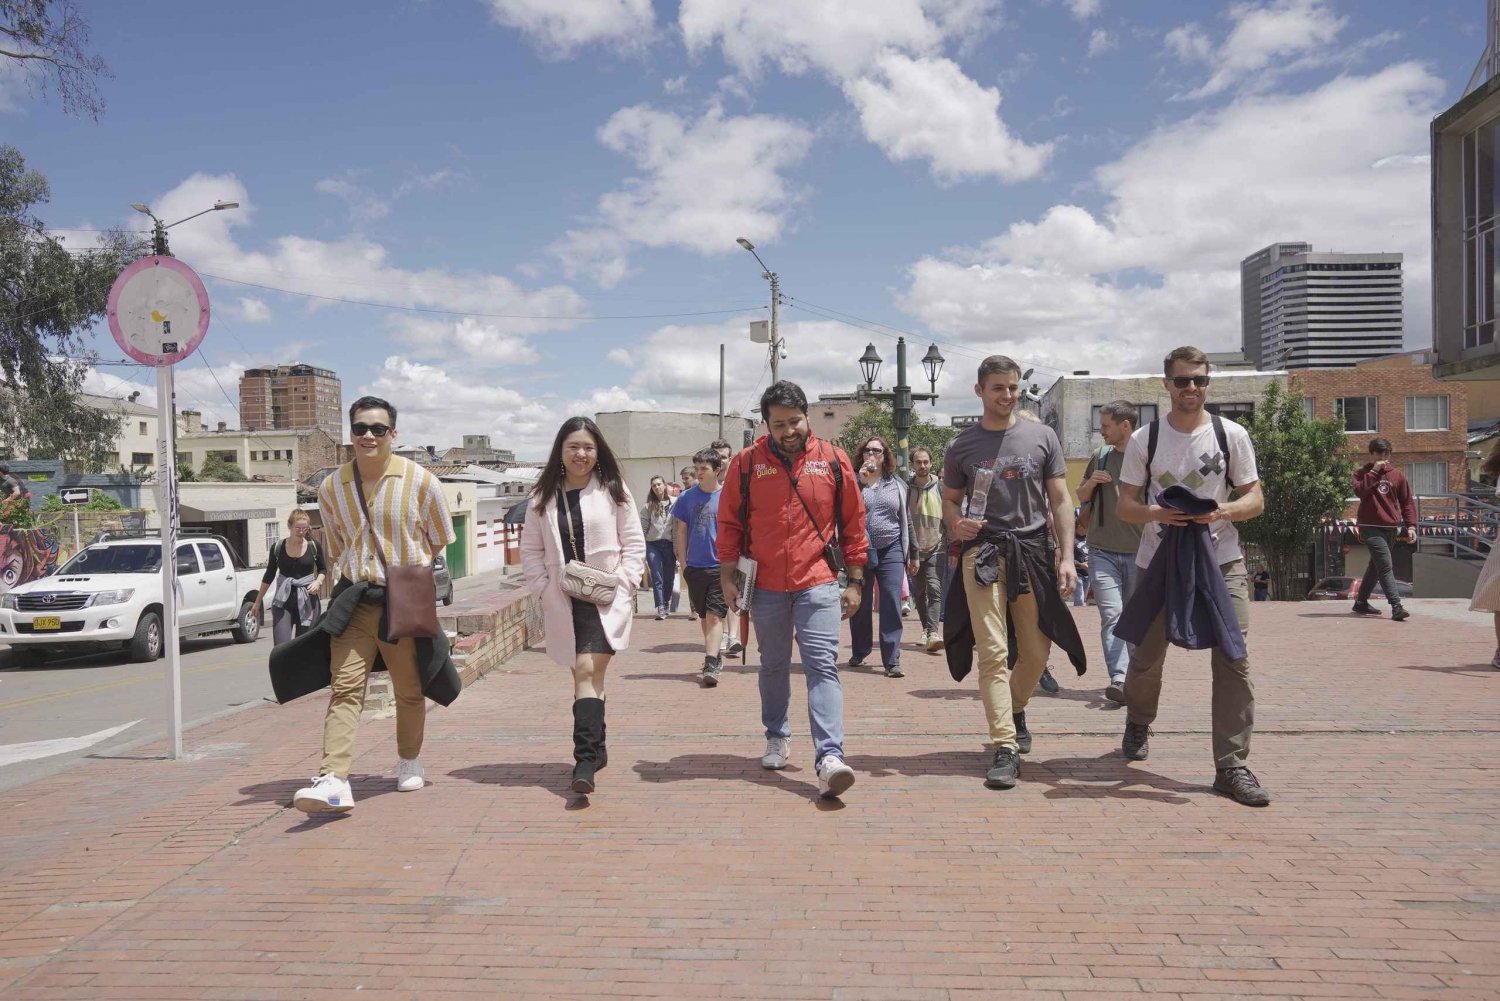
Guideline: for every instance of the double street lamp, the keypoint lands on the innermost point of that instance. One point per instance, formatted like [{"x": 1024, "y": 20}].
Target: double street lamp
[
  {"x": 901, "y": 397},
  {"x": 769, "y": 276},
  {"x": 159, "y": 230}
]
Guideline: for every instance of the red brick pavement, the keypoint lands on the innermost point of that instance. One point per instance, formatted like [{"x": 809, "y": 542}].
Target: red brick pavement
[{"x": 692, "y": 873}]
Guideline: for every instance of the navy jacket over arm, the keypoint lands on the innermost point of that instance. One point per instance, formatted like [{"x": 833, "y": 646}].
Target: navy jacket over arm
[{"x": 1185, "y": 580}]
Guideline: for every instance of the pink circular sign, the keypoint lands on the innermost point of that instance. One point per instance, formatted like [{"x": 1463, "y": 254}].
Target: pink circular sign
[{"x": 158, "y": 310}]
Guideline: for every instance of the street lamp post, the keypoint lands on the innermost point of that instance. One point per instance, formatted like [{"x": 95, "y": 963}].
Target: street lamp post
[
  {"x": 901, "y": 396},
  {"x": 771, "y": 277},
  {"x": 159, "y": 230}
]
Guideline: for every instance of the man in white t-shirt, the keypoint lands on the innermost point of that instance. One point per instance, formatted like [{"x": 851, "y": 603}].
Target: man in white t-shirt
[{"x": 1208, "y": 456}]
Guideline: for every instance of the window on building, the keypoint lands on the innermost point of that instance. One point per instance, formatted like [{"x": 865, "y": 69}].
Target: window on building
[
  {"x": 1427, "y": 478},
  {"x": 1357, "y": 413},
  {"x": 143, "y": 430},
  {"x": 140, "y": 458},
  {"x": 271, "y": 535},
  {"x": 1307, "y": 408},
  {"x": 1427, "y": 413},
  {"x": 1237, "y": 412}
]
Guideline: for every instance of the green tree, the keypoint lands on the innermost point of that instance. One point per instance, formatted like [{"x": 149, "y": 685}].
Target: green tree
[
  {"x": 101, "y": 501},
  {"x": 47, "y": 40},
  {"x": 878, "y": 418},
  {"x": 50, "y": 298},
  {"x": 1305, "y": 476},
  {"x": 217, "y": 469}
]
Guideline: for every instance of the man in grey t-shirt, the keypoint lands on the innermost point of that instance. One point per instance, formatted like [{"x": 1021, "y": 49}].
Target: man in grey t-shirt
[{"x": 1010, "y": 471}]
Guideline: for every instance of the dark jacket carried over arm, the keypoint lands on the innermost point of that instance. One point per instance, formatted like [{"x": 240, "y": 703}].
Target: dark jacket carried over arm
[
  {"x": 1185, "y": 580},
  {"x": 1026, "y": 557},
  {"x": 301, "y": 665}
]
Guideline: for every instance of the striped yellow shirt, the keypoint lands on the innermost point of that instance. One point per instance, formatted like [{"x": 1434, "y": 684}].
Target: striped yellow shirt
[{"x": 409, "y": 511}]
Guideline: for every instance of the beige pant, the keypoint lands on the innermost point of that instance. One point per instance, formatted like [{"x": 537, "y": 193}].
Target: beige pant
[
  {"x": 353, "y": 654},
  {"x": 1233, "y": 694},
  {"x": 1004, "y": 692}
]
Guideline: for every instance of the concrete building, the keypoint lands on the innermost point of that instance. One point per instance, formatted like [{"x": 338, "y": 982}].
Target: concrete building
[
  {"x": 1301, "y": 309},
  {"x": 1071, "y": 405},
  {"x": 252, "y": 516},
  {"x": 268, "y": 456},
  {"x": 135, "y": 442},
  {"x": 1398, "y": 398},
  {"x": 1465, "y": 193},
  {"x": 291, "y": 397},
  {"x": 477, "y": 450},
  {"x": 650, "y": 444}
]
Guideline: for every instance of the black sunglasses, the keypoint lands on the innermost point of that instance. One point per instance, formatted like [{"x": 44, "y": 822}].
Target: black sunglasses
[
  {"x": 875, "y": 448},
  {"x": 360, "y": 430},
  {"x": 1184, "y": 381}
]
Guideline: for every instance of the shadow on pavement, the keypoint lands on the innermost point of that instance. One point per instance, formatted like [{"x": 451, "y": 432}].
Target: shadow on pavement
[
  {"x": 1090, "y": 699},
  {"x": 552, "y": 776},
  {"x": 674, "y": 648},
  {"x": 945, "y": 693},
  {"x": 281, "y": 791},
  {"x": 735, "y": 768},
  {"x": 1108, "y": 776},
  {"x": 1468, "y": 670}
]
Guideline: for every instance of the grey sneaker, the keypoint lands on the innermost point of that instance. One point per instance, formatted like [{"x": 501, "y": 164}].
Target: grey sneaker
[
  {"x": 778, "y": 750},
  {"x": 1241, "y": 785},
  {"x": 1049, "y": 683},
  {"x": 711, "y": 669},
  {"x": 1115, "y": 692},
  {"x": 1135, "y": 745},
  {"x": 1004, "y": 770}
]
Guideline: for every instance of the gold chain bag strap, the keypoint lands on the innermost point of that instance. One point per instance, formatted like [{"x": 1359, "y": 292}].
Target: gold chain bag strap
[
  {"x": 579, "y": 580},
  {"x": 410, "y": 592}
]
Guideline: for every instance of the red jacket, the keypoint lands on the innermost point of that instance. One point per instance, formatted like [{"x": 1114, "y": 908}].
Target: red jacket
[
  {"x": 1384, "y": 497},
  {"x": 782, "y": 537}
]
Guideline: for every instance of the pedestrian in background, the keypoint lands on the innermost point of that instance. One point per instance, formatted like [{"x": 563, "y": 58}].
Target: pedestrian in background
[
  {"x": 892, "y": 545},
  {"x": 582, "y": 511},
  {"x": 1387, "y": 515},
  {"x": 661, "y": 557},
  {"x": 297, "y": 569},
  {"x": 1112, "y": 541},
  {"x": 1262, "y": 583},
  {"x": 695, "y": 519},
  {"x": 930, "y": 562}
]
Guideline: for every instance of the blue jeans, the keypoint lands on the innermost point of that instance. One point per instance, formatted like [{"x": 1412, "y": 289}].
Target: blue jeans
[
  {"x": 662, "y": 559},
  {"x": 1113, "y": 578},
  {"x": 890, "y": 574},
  {"x": 814, "y": 616}
]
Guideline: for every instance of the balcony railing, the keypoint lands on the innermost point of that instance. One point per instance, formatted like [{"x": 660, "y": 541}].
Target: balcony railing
[{"x": 1457, "y": 525}]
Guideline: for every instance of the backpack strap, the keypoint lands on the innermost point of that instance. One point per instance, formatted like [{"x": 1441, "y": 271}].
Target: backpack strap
[
  {"x": 1153, "y": 430},
  {"x": 1223, "y": 438},
  {"x": 1101, "y": 460}
]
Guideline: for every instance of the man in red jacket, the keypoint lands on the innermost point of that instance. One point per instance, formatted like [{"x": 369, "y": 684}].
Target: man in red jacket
[
  {"x": 1387, "y": 514},
  {"x": 792, "y": 504}
]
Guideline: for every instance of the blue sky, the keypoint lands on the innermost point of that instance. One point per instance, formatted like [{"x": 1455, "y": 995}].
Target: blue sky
[{"x": 542, "y": 196}]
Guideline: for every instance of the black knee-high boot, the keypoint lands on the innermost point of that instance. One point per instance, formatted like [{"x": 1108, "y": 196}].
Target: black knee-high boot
[
  {"x": 588, "y": 722},
  {"x": 603, "y": 733}
]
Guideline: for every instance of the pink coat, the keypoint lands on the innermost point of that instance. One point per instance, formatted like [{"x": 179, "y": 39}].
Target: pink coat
[{"x": 612, "y": 538}]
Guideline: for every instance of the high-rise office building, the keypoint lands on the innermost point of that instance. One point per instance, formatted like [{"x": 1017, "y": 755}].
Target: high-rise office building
[
  {"x": 292, "y": 396},
  {"x": 1300, "y": 309}
]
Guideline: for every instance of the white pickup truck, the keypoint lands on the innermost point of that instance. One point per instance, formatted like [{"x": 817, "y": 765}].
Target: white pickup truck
[{"x": 108, "y": 596}]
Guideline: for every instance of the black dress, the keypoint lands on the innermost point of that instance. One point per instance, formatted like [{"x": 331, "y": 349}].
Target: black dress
[{"x": 588, "y": 627}]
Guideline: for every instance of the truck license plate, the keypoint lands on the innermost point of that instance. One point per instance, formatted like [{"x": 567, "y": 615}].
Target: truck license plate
[{"x": 46, "y": 624}]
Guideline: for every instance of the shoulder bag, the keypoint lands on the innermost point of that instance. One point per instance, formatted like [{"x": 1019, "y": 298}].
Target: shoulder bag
[
  {"x": 579, "y": 580},
  {"x": 410, "y": 592}
]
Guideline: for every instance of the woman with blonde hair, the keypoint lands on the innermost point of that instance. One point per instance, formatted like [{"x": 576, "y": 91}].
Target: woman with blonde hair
[
  {"x": 661, "y": 557},
  {"x": 581, "y": 512},
  {"x": 297, "y": 569},
  {"x": 1487, "y": 587}
]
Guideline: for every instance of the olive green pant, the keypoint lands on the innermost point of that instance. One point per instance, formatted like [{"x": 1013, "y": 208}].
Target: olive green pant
[{"x": 1233, "y": 694}]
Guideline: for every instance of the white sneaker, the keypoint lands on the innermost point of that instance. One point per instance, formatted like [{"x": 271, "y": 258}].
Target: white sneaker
[
  {"x": 409, "y": 775},
  {"x": 778, "y": 749},
  {"x": 327, "y": 794},
  {"x": 834, "y": 777}
]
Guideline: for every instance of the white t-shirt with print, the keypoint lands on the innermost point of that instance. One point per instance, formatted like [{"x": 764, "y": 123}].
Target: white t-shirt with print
[{"x": 1195, "y": 461}]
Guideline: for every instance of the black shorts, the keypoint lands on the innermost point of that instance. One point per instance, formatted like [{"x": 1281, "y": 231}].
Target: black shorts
[{"x": 705, "y": 593}]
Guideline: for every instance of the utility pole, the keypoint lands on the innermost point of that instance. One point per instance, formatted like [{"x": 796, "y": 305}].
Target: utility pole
[
  {"x": 775, "y": 336},
  {"x": 901, "y": 407},
  {"x": 721, "y": 392}
]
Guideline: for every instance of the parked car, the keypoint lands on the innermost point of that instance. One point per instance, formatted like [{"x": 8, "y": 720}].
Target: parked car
[
  {"x": 442, "y": 579},
  {"x": 1344, "y": 589},
  {"x": 108, "y": 596}
]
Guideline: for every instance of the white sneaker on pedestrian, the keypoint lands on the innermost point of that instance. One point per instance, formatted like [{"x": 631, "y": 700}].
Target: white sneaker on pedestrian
[
  {"x": 409, "y": 775},
  {"x": 778, "y": 749},
  {"x": 834, "y": 777},
  {"x": 327, "y": 794}
]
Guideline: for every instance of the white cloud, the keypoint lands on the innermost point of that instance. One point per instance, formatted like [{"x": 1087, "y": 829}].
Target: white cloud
[
  {"x": 559, "y": 27},
  {"x": 704, "y": 182},
  {"x": 1100, "y": 42},
  {"x": 1083, "y": 9},
  {"x": 248, "y": 309},
  {"x": 1280, "y": 36},
  {"x": 928, "y": 109},
  {"x": 482, "y": 344},
  {"x": 1160, "y": 263},
  {"x": 364, "y": 205},
  {"x": 354, "y": 267},
  {"x": 620, "y": 356},
  {"x": 437, "y": 407}
]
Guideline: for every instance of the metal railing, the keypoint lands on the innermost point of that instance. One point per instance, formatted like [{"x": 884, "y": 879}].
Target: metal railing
[{"x": 1457, "y": 525}]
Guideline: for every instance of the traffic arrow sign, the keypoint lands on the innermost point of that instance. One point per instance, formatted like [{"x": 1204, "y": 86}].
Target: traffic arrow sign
[{"x": 74, "y": 495}]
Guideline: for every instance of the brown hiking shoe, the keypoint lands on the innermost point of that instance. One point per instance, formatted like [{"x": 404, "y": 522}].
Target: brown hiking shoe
[{"x": 1241, "y": 785}]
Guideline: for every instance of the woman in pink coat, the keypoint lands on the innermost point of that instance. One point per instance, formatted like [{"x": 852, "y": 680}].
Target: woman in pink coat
[{"x": 580, "y": 509}]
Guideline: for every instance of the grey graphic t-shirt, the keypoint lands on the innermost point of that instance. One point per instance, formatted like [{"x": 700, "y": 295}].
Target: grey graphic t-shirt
[{"x": 1028, "y": 454}]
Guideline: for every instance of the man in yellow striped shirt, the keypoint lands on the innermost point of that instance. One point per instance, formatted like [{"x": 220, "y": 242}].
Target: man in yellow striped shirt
[{"x": 411, "y": 524}]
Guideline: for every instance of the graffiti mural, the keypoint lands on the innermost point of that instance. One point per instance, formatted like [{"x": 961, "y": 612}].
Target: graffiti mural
[{"x": 26, "y": 554}]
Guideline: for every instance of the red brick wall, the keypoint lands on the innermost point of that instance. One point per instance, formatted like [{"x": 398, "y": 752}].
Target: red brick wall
[{"x": 1392, "y": 382}]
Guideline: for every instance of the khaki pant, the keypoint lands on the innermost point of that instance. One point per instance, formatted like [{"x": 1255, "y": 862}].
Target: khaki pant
[
  {"x": 1233, "y": 694},
  {"x": 353, "y": 654},
  {"x": 1004, "y": 692}
]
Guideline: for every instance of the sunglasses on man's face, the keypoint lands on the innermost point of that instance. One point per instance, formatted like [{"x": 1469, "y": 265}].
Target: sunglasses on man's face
[
  {"x": 360, "y": 430},
  {"x": 1184, "y": 381}
]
